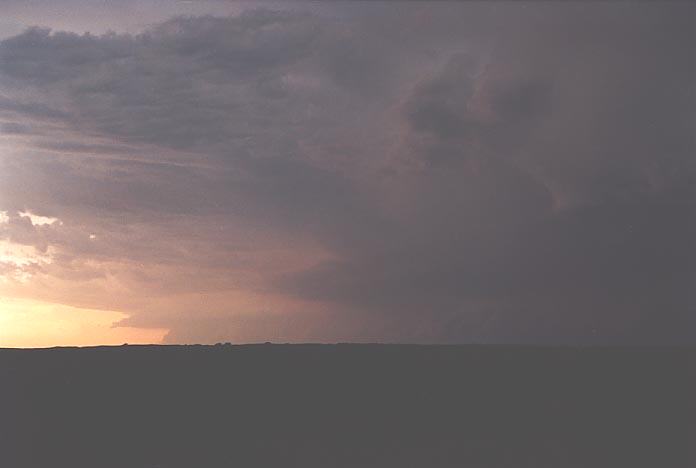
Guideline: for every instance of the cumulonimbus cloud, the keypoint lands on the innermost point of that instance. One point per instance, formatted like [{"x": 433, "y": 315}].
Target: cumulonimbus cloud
[{"x": 524, "y": 177}]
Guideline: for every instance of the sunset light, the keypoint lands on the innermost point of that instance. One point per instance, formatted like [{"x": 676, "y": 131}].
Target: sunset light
[
  {"x": 26, "y": 323},
  {"x": 342, "y": 233},
  {"x": 418, "y": 172}
]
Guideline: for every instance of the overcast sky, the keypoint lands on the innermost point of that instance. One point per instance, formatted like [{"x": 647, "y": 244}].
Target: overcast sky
[{"x": 452, "y": 172}]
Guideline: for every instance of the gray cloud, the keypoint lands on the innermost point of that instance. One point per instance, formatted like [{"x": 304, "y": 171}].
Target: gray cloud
[
  {"x": 588, "y": 240},
  {"x": 458, "y": 172}
]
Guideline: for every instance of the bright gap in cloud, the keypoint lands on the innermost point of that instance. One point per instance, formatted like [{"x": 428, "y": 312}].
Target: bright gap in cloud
[
  {"x": 17, "y": 260},
  {"x": 37, "y": 220}
]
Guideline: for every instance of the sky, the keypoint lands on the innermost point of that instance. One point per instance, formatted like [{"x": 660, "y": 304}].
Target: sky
[{"x": 415, "y": 172}]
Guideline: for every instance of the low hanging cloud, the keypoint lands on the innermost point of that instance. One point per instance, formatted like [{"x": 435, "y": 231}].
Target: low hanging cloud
[{"x": 452, "y": 173}]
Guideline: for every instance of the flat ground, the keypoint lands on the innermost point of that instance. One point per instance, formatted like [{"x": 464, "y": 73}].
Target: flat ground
[{"x": 347, "y": 406}]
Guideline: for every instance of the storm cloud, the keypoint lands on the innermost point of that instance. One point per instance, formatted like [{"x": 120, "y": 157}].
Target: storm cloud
[{"x": 452, "y": 172}]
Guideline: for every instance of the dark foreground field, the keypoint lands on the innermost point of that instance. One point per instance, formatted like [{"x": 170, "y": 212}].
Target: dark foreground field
[{"x": 347, "y": 406}]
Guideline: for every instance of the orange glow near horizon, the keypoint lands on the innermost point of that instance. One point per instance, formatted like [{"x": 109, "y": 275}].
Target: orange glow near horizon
[{"x": 27, "y": 323}]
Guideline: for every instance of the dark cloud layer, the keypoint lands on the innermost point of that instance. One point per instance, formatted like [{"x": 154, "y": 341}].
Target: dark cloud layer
[{"x": 458, "y": 172}]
